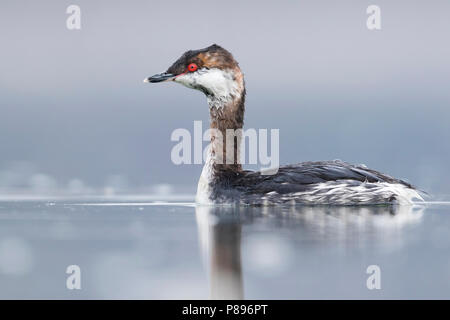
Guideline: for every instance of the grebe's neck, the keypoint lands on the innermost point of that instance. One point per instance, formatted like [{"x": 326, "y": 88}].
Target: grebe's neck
[{"x": 226, "y": 123}]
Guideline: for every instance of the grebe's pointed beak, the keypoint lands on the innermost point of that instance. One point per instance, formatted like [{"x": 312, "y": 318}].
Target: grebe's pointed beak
[{"x": 160, "y": 77}]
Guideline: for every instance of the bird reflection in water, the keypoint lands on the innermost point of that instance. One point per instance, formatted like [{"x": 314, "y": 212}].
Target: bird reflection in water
[{"x": 221, "y": 228}]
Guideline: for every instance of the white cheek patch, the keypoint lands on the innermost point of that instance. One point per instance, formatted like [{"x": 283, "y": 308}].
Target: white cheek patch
[
  {"x": 220, "y": 83},
  {"x": 186, "y": 79}
]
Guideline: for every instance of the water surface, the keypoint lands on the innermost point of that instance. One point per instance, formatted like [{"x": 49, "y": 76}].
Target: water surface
[{"x": 175, "y": 250}]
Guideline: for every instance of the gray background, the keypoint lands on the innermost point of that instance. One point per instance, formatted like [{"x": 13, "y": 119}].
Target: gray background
[{"x": 75, "y": 114}]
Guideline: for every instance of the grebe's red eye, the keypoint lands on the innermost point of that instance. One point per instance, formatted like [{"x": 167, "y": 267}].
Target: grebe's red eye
[{"x": 192, "y": 67}]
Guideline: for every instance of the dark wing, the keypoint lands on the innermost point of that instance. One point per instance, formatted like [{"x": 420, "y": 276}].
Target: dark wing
[{"x": 300, "y": 177}]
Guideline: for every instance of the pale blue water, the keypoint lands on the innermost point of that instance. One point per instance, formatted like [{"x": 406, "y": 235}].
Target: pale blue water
[{"x": 173, "y": 250}]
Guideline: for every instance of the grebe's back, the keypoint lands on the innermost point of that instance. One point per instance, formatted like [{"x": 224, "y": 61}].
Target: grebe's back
[{"x": 324, "y": 182}]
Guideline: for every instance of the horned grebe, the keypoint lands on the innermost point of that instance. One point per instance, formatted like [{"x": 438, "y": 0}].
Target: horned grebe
[{"x": 214, "y": 71}]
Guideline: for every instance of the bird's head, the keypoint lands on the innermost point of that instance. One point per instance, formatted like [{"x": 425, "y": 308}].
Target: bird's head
[{"x": 211, "y": 70}]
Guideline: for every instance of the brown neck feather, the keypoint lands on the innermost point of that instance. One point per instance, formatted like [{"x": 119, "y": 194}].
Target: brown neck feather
[{"x": 227, "y": 119}]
